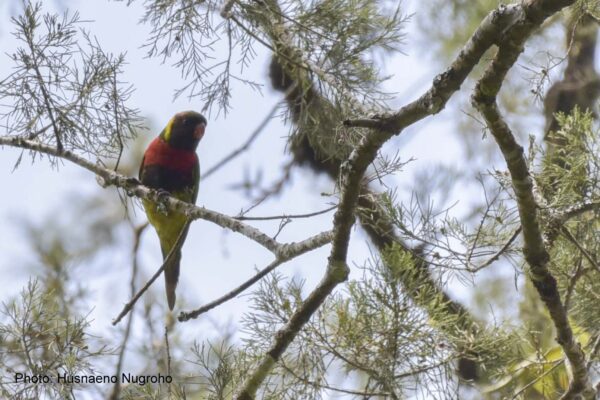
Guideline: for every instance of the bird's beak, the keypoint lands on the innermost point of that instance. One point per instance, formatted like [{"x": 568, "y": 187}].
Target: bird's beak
[{"x": 199, "y": 131}]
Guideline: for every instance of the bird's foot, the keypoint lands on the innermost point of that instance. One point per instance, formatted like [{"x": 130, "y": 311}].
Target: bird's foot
[
  {"x": 131, "y": 184},
  {"x": 133, "y": 181},
  {"x": 161, "y": 204},
  {"x": 163, "y": 195}
]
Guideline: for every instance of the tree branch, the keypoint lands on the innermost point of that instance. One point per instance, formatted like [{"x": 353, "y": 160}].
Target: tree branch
[
  {"x": 578, "y": 209},
  {"x": 292, "y": 251},
  {"x": 534, "y": 249},
  {"x": 536, "y": 254}
]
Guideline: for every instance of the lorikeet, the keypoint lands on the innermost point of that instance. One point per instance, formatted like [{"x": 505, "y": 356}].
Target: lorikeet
[{"x": 170, "y": 164}]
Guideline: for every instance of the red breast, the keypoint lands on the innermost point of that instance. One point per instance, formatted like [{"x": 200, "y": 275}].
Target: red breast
[{"x": 161, "y": 153}]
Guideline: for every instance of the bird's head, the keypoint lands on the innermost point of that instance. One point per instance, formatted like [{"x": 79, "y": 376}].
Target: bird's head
[{"x": 184, "y": 130}]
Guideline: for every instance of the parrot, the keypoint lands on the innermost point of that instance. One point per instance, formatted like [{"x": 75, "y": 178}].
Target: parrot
[{"x": 170, "y": 165}]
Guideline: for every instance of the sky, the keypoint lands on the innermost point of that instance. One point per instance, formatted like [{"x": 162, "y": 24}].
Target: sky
[{"x": 214, "y": 261}]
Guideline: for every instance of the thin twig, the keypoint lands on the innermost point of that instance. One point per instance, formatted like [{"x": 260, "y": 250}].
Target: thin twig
[
  {"x": 322, "y": 385},
  {"x": 575, "y": 276},
  {"x": 286, "y": 216},
  {"x": 566, "y": 233},
  {"x": 557, "y": 364},
  {"x": 257, "y": 131},
  {"x": 42, "y": 83},
  {"x": 594, "y": 352},
  {"x": 186, "y": 316},
  {"x": 481, "y": 223},
  {"x": 134, "y": 268},
  {"x": 139, "y": 294},
  {"x": 168, "y": 350},
  {"x": 115, "y": 96},
  {"x": 496, "y": 256},
  {"x": 274, "y": 189},
  {"x": 292, "y": 251}
]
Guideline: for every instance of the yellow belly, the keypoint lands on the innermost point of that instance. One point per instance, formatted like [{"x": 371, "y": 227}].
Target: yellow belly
[{"x": 168, "y": 225}]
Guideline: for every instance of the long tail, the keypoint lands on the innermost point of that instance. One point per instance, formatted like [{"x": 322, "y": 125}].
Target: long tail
[
  {"x": 172, "y": 268},
  {"x": 172, "y": 277}
]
